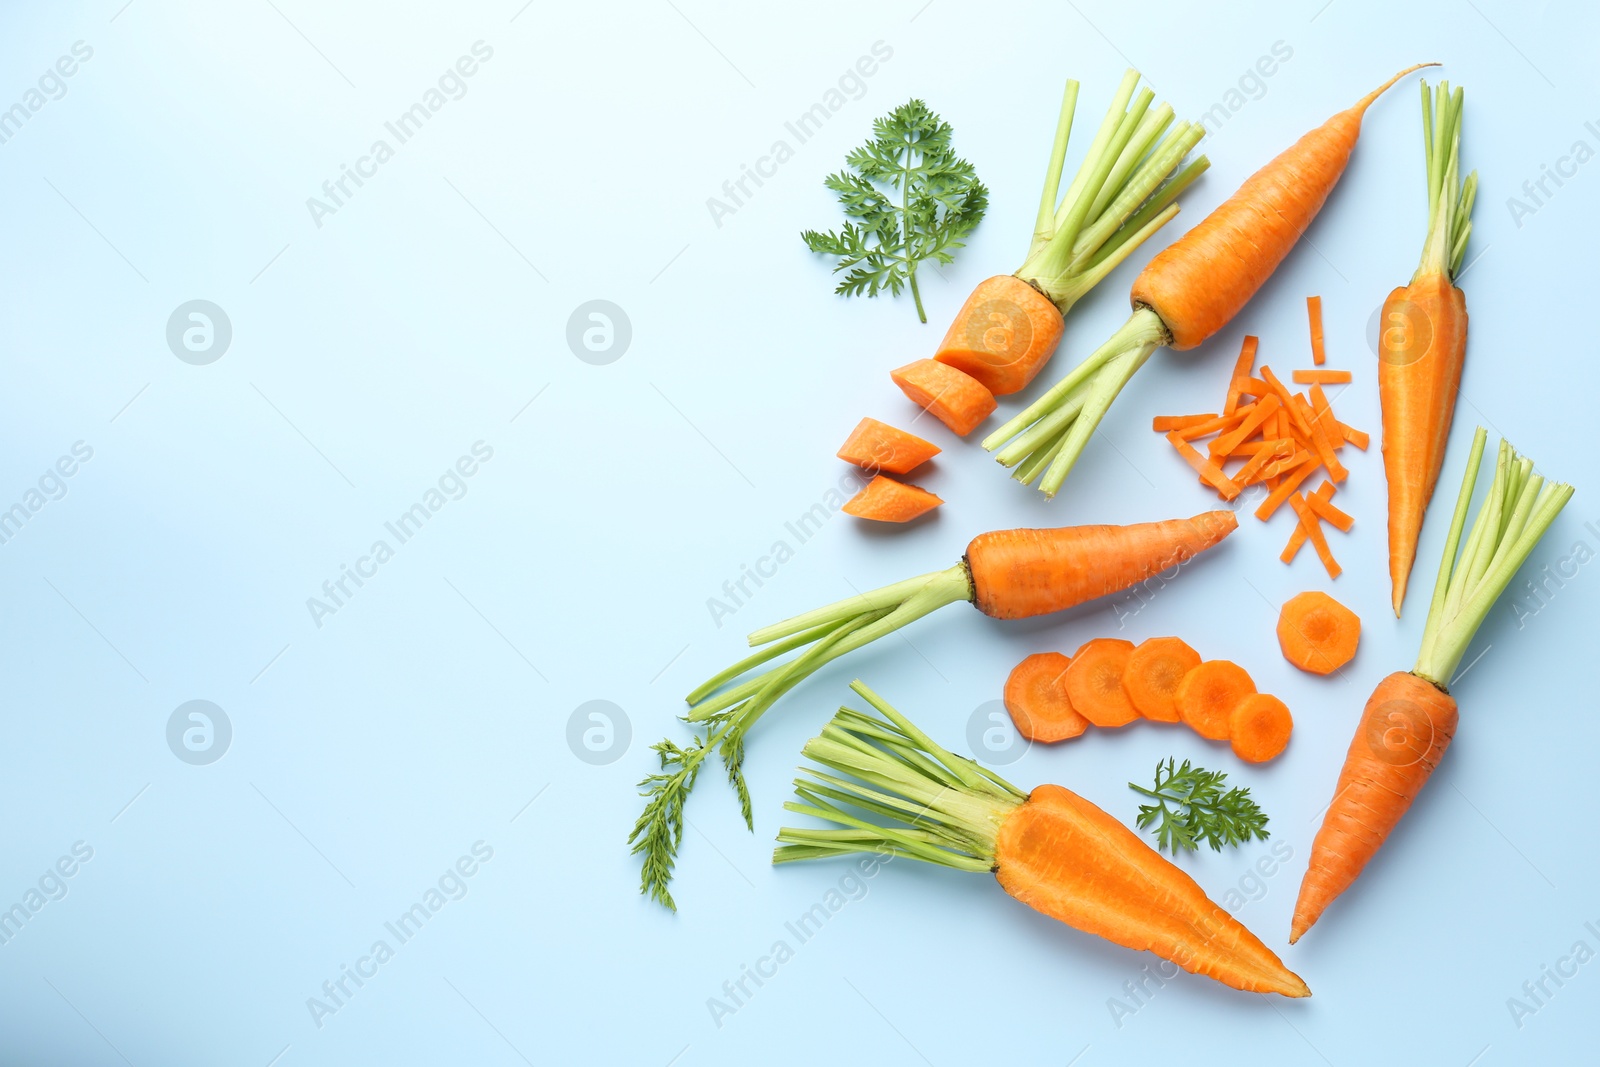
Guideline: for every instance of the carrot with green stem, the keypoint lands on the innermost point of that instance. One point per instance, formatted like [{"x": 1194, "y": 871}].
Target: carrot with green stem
[
  {"x": 890, "y": 790},
  {"x": 1008, "y": 574},
  {"x": 1411, "y": 717},
  {"x": 1186, "y": 294},
  {"x": 1422, "y": 341},
  {"x": 1010, "y": 325}
]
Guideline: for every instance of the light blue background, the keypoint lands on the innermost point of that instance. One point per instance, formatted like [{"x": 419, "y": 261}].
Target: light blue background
[{"x": 431, "y": 711}]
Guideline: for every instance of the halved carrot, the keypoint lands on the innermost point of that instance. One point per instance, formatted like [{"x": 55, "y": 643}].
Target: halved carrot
[
  {"x": 1298, "y": 537},
  {"x": 1208, "y": 694},
  {"x": 1321, "y": 377},
  {"x": 877, "y": 446},
  {"x": 1152, "y": 674},
  {"x": 1205, "y": 468},
  {"x": 1259, "y": 727},
  {"x": 1313, "y": 527},
  {"x": 1241, "y": 372},
  {"x": 1094, "y": 682},
  {"x": 956, "y": 399},
  {"x": 1317, "y": 633},
  {"x": 1036, "y": 696},
  {"x": 887, "y": 500},
  {"x": 1314, "y": 312}
]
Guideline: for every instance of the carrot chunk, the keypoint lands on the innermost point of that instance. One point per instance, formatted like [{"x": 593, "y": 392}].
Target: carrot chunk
[
  {"x": 1036, "y": 696},
  {"x": 877, "y": 446},
  {"x": 1317, "y": 633},
  {"x": 1259, "y": 727},
  {"x": 1152, "y": 675},
  {"x": 956, "y": 399},
  {"x": 1094, "y": 682},
  {"x": 887, "y": 500},
  {"x": 1208, "y": 694}
]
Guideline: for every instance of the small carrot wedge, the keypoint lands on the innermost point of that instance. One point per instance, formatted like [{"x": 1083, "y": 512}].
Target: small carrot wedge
[
  {"x": 1005, "y": 332},
  {"x": 885, "y": 500},
  {"x": 1297, "y": 538},
  {"x": 955, "y": 398},
  {"x": 1314, "y": 313},
  {"x": 1167, "y": 423},
  {"x": 1208, "y": 694},
  {"x": 877, "y": 446},
  {"x": 1317, "y": 633},
  {"x": 1209, "y": 471},
  {"x": 1152, "y": 674},
  {"x": 1036, "y": 697},
  {"x": 885, "y": 788},
  {"x": 1094, "y": 682},
  {"x": 1313, "y": 526},
  {"x": 1320, "y": 377},
  {"x": 1327, "y": 512},
  {"x": 1241, "y": 372},
  {"x": 1259, "y": 728}
]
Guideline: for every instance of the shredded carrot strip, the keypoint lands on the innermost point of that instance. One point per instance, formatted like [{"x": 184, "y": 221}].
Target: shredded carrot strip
[
  {"x": 1164, "y": 423},
  {"x": 1211, "y": 426},
  {"x": 1319, "y": 440},
  {"x": 1354, "y": 436},
  {"x": 1328, "y": 513},
  {"x": 1313, "y": 527},
  {"x": 1291, "y": 481},
  {"x": 1205, "y": 468},
  {"x": 1298, "y": 536},
  {"x": 1321, "y": 377},
  {"x": 1241, "y": 372},
  {"x": 1265, "y": 454},
  {"x": 1314, "y": 311},
  {"x": 1225, "y": 444},
  {"x": 1287, "y": 399}
]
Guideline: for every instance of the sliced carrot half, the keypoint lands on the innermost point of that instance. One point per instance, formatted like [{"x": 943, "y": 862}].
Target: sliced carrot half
[
  {"x": 887, "y": 500},
  {"x": 876, "y": 446},
  {"x": 1208, "y": 694},
  {"x": 1036, "y": 697},
  {"x": 956, "y": 399},
  {"x": 1152, "y": 675},
  {"x": 1259, "y": 727},
  {"x": 1094, "y": 682}
]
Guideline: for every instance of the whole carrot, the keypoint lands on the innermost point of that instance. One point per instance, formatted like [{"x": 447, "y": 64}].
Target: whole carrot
[
  {"x": 1411, "y": 717},
  {"x": 1051, "y": 849},
  {"x": 1010, "y": 574},
  {"x": 1422, "y": 341},
  {"x": 1186, "y": 294}
]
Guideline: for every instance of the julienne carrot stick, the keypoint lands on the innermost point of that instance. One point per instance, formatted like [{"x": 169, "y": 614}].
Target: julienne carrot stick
[
  {"x": 1422, "y": 341},
  {"x": 1010, "y": 325},
  {"x": 1186, "y": 294},
  {"x": 1009, "y": 574},
  {"x": 1411, "y": 717},
  {"x": 889, "y": 790}
]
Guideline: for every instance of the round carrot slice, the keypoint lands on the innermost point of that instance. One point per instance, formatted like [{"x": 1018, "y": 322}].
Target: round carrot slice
[
  {"x": 1154, "y": 670},
  {"x": 1094, "y": 682},
  {"x": 1208, "y": 694},
  {"x": 1317, "y": 633},
  {"x": 1036, "y": 697},
  {"x": 1259, "y": 727}
]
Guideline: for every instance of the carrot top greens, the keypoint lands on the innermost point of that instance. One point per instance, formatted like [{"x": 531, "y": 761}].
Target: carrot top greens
[
  {"x": 1192, "y": 807},
  {"x": 1449, "y": 197}
]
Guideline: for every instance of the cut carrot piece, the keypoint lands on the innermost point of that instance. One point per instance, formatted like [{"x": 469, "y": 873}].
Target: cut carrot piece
[
  {"x": 1321, "y": 377},
  {"x": 1314, "y": 312},
  {"x": 1319, "y": 440},
  {"x": 1298, "y": 537},
  {"x": 1291, "y": 481},
  {"x": 956, "y": 399},
  {"x": 1167, "y": 423},
  {"x": 1287, "y": 399},
  {"x": 1356, "y": 437},
  {"x": 1152, "y": 675},
  {"x": 1317, "y": 633},
  {"x": 887, "y": 500},
  {"x": 1208, "y": 694},
  {"x": 877, "y": 446},
  {"x": 1251, "y": 472},
  {"x": 1209, "y": 471},
  {"x": 1241, "y": 372},
  {"x": 1211, "y": 426},
  {"x": 1327, "y": 512},
  {"x": 1225, "y": 444},
  {"x": 1036, "y": 697},
  {"x": 1094, "y": 682},
  {"x": 1005, "y": 332},
  {"x": 1313, "y": 527},
  {"x": 1259, "y": 727}
]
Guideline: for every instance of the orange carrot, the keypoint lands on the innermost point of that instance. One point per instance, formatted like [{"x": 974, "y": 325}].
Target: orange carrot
[
  {"x": 887, "y": 500},
  {"x": 958, "y": 400},
  {"x": 1356, "y": 437},
  {"x": 877, "y": 446},
  {"x": 1297, "y": 537},
  {"x": 1208, "y": 694},
  {"x": 1314, "y": 312},
  {"x": 1165, "y": 423},
  {"x": 1211, "y": 426},
  {"x": 1325, "y": 511},
  {"x": 1422, "y": 341},
  {"x": 1320, "y": 377},
  {"x": 1230, "y": 440},
  {"x": 1005, "y": 332},
  {"x": 1036, "y": 696},
  {"x": 1291, "y": 482},
  {"x": 1241, "y": 372},
  {"x": 1094, "y": 682},
  {"x": 1259, "y": 727},
  {"x": 1313, "y": 527},
  {"x": 1008, "y": 574},
  {"x": 1317, "y": 633},
  {"x": 1188, "y": 292},
  {"x": 889, "y": 789},
  {"x": 1152, "y": 675},
  {"x": 1410, "y": 718},
  {"x": 1209, "y": 471}
]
